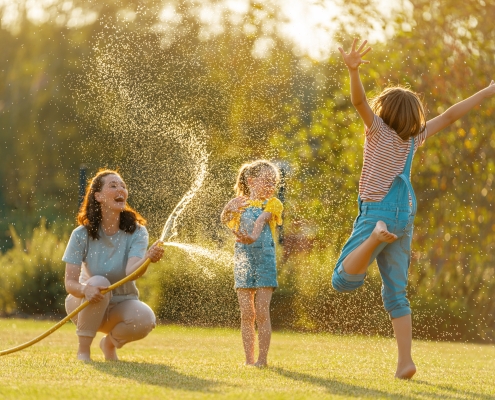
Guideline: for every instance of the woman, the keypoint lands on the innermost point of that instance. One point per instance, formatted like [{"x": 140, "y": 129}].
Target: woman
[{"x": 109, "y": 244}]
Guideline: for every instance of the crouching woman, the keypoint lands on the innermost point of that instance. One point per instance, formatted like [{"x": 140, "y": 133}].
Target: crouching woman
[{"x": 109, "y": 244}]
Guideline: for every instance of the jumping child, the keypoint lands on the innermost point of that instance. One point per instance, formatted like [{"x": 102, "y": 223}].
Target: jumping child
[
  {"x": 395, "y": 128},
  {"x": 253, "y": 216}
]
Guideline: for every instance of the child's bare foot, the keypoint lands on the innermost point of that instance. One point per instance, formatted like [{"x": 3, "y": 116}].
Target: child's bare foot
[
  {"x": 405, "y": 371},
  {"x": 381, "y": 233},
  {"x": 108, "y": 349},
  {"x": 250, "y": 360}
]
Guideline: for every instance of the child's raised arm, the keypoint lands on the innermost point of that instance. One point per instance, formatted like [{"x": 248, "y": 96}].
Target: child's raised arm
[
  {"x": 458, "y": 110},
  {"x": 358, "y": 97}
]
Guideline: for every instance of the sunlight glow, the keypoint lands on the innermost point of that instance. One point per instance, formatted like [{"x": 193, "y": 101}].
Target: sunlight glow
[{"x": 311, "y": 26}]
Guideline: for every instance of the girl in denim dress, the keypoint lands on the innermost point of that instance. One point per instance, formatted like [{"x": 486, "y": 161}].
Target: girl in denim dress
[
  {"x": 253, "y": 216},
  {"x": 395, "y": 127}
]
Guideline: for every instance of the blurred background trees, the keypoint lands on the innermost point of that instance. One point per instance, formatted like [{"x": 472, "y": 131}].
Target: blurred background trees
[{"x": 101, "y": 84}]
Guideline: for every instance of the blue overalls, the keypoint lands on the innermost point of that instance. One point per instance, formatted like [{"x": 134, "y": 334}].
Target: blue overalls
[
  {"x": 254, "y": 264},
  {"x": 393, "y": 259}
]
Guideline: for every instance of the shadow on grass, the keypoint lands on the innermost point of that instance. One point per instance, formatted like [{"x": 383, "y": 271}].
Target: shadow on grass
[
  {"x": 155, "y": 374},
  {"x": 343, "y": 389},
  {"x": 455, "y": 392},
  {"x": 337, "y": 387}
]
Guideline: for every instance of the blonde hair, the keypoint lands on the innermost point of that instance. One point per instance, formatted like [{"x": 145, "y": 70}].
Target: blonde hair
[
  {"x": 253, "y": 170},
  {"x": 401, "y": 109}
]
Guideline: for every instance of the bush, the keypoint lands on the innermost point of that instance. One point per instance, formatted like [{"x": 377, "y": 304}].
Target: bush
[
  {"x": 191, "y": 289},
  {"x": 199, "y": 291},
  {"x": 33, "y": 274}
]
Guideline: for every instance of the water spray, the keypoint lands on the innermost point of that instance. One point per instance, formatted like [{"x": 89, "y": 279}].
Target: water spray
[{"x": 170, "y": 228}]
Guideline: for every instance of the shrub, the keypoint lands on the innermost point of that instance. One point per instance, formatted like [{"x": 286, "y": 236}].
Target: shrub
[{"x": 33, "y": 274}]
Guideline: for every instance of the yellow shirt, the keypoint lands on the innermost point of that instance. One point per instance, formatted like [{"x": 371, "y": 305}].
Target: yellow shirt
[{"x": 273, "y": 205}]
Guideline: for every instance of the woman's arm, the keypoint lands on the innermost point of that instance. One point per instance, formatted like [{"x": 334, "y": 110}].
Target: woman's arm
[
  {"x": 244, "y": 237},
  {"x": 358, "y": 97},
  {"x": 76, "y": 289},
  {"x": 154, "y": 253},
  {"x": 458, "y": 110}
]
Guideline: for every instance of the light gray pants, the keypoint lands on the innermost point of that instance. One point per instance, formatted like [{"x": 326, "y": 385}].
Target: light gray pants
[{"x": 122, "y": 322}]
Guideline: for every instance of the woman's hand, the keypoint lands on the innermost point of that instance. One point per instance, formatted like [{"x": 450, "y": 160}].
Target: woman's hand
[
  {"x": 355, "y": 57},
  {"x": 155, "y": 252},
  {"x": 93, "y": 293}
]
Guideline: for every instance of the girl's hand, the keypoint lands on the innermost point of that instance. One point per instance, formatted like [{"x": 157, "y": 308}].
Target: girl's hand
[
  {"x": 490, "y": 89},
  {"x": 355, "y": 57},
  {"x": 243, "y": 237},
  {"x": 237, "y": 204},
  {"x": 93, "y": 293},
  {"x": 155, "y": 252}
]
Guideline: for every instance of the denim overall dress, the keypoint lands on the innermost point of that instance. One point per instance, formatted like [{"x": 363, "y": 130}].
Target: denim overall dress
[
  {"x": 397, "y": 209},
  {"x": 254, "y": 264}
]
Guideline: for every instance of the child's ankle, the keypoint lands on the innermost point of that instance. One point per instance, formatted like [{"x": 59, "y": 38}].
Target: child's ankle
[{"x": 405, "y": 369}]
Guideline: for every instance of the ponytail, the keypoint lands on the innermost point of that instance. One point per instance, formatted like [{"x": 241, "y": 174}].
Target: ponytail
[{"x": 241, "y": 186}]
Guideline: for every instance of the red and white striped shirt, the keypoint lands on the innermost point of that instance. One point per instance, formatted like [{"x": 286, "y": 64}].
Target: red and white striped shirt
[{"x": 385, "y": 155}]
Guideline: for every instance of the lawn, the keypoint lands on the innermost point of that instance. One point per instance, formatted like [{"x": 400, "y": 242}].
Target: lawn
[{"x": 190, "y": 363}]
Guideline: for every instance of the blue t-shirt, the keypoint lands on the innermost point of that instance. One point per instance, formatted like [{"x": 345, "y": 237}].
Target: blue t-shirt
[{"x": 107, "y": 256}]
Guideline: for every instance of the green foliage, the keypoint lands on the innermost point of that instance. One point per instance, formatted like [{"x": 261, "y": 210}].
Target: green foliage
[
  {"x": 33, "y": 274},
  {"x": 324, "y": 161}
]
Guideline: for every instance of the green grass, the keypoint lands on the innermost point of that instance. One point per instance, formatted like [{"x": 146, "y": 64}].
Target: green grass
[{"x": 179, "y": 362}]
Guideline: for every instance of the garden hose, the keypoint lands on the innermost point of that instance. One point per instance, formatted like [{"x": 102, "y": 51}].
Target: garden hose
[{"x": 128, "y": 278}]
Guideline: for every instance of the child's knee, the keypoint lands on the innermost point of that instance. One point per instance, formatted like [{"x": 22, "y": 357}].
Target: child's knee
[
  {"x": 397, "y": 307},
  {"x": 262, "y": 317},
  {"x": 344, "y": 282}
]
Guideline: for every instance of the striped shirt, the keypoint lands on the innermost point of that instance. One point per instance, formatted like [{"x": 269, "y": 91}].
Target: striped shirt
[{"x": 385, "y": 155}]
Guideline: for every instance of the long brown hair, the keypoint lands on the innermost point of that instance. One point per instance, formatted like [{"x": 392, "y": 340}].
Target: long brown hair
[
  {"x": 252, "y": 170},
  {"x": 90, "y": 212},
  {"x": 401, "y": 109}
]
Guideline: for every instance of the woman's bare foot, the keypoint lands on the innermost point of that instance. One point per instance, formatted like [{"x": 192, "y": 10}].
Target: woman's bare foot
[
  {"x": 84, "y": 348},
  {"x": 108, "y": 349},
  {"x": 83, "y": 356},
  {"x": 405, "y": 371},
  {"x": 381, "y": 233}
]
